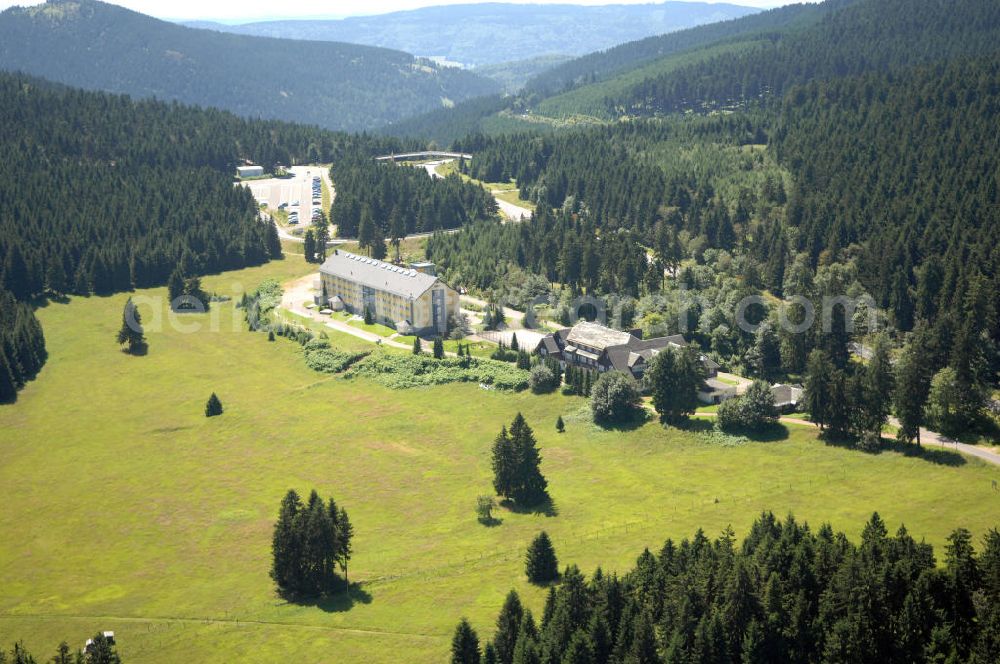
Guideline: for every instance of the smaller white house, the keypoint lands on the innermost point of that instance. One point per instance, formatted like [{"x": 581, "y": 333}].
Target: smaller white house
[
  {"x": 249, "y": 171},
  {"x": 786, "y": 397}
]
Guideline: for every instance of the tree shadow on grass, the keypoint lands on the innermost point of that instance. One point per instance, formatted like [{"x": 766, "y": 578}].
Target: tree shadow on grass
[
  {"x": 768, "y": 434},
  {"x": 636, "y": 419},
  {"x": 491, "y": 522},
  {"x": 547, "y": 507},
  {"x": 936, "y": 456},
  {"x": 337, "y": 601},
  {"x": 694, "y": 425}
]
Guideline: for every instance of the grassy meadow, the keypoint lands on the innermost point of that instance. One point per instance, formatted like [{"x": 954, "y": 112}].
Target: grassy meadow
[{"x": 124, "y": 508}]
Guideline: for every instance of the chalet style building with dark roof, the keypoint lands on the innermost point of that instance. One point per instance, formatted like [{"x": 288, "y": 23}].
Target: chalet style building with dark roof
[{"x": 598, "y": 348}]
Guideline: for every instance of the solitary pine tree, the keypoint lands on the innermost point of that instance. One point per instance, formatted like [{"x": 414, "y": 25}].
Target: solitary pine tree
[
  {"x": 530, "y": 485},
  {"x": 213, "y": 407},
  {"x": 513, "y": 343},
  {"x": 560, "y": 425},
  {"x": 541, "y": 564},
  {"x": 465, "y": 644},
  {"x": 309, "y": 246},
  {"x": 438, "y": 348},
  {"x": 131, "y": 335},
  {"x": 417, "y": 348},
  {"x": 369, "y": 318}
]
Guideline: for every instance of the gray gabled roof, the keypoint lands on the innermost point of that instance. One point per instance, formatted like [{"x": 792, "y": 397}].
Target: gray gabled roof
[{"x": 377, "y": 274}]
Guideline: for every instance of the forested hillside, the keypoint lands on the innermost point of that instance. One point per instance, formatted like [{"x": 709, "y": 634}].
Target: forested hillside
[
  {"x": 94, "y": 45},
  {"x": 459, "y": 32},
  {"x": 863, "y": 36},
  {"x": 908, "y": 167},
  {"x": 599, "y": 65}
]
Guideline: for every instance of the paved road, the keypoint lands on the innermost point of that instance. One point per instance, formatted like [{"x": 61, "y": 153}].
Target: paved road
[{"x": 927, "y": 438}]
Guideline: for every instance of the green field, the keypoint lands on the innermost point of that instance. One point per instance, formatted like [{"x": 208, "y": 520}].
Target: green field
[{"x": 124, "y": 508}]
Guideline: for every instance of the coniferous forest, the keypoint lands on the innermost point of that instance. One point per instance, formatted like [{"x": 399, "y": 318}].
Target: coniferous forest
[
  {"x": 383, "y": 200},
  {"x": 787, "y": 593}
]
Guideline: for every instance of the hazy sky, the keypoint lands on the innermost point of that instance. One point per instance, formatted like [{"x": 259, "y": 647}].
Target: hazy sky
[{"x": 246, "y": 10}]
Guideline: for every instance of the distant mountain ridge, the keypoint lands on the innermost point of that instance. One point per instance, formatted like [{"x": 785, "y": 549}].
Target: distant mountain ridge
[
  {"x": 490, "y": 33},
  {"x": 95, "y": 45}
]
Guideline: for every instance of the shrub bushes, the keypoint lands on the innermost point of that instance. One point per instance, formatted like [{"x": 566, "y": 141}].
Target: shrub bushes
[
  {"x": 615, "y": 397},
  {"x": 402, "y": 371},
  {"x": 320, "y": 357},
  {"x": 541, "y": 379},
  {"x": 754, "y": 411}
]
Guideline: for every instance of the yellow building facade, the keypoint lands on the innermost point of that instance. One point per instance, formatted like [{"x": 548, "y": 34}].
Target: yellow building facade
[{"x": 395, "y": 295}]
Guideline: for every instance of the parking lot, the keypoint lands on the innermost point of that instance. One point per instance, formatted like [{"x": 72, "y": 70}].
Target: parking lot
[{"x": 294, "y": 194}]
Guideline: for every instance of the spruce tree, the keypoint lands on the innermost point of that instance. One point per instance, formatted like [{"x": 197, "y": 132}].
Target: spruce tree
[
  {"x": 819, "y": 388},
  {"x": 877, "y": 388},
  {"x": 417, "y": 348},
  {"x": 465, "y": 644},
  {"x": 82, "y": 280},
  {"x": 513, "y": 343},
  {"x": 504, "y": 464},
  {"x": 345, "y": 548},
  {"x": 913, "y": 384},
  {"x": 309, "y": 246},
  {"x": 8, "y": 386},
  {"x": 175, "y": 287},
  {"x": 508, "y": 628},
  {"x": 541, "y": 565},
  {"x": 64, "y": 655},
  {"x": 131, "y": 335},
  {"x": 213, "y": 407},
  {"x": 530, "y": 485},
  {"x": 285, "y": 545},
  {"x": 560, "y": 425},
  {"x": 526, "y": 651},
  {"x": 55, "y": 277},
  {"x": 100, "y": 651},
  {"x": 674, "y": 378},
  {"x": 438, "y": 348},
  {"x": 579, "y": 650}
]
